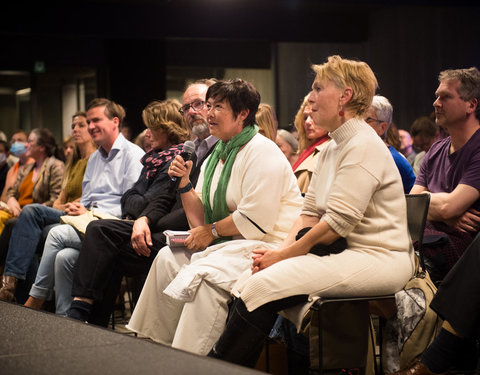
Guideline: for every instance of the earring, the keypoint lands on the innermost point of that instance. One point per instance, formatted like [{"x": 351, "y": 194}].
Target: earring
[{"x": 341, "y": 113}]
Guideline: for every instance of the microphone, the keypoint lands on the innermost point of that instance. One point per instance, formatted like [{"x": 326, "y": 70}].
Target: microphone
[{"x": 186, "y": 154}]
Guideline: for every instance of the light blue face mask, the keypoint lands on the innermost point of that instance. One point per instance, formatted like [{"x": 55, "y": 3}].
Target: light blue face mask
[{"x": 18, "y": 149}]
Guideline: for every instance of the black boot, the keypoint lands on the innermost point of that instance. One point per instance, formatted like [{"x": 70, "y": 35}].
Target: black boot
[
  {"x": 241, "y": 342},
  {"x": 80, "y": 310}
]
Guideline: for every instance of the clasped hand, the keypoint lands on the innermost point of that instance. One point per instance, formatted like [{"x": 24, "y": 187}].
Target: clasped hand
[
  {"x": 74, "y": 209},
  {"x": 263, "y": 258}
]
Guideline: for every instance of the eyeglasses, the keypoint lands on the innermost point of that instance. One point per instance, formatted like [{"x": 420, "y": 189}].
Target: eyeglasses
[
  {"x": 370, "y": 119},
  {"x": 197, "y": 105}
]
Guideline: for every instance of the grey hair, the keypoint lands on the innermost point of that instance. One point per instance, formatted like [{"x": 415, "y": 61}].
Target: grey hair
[
  {"x": 383, "y": 109},
  {"x": 289, "y": 138}
]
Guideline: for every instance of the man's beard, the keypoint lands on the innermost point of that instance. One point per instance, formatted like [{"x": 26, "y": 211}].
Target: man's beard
[{"x": 201, "y": 130}]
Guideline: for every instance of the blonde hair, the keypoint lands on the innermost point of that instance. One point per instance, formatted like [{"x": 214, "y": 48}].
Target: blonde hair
[
  {"x": 299, "y": 122},
  {"x": 267, "y": 120},
  {"x": 164, "y": 115},
  {"x": 349, "y": 73}
]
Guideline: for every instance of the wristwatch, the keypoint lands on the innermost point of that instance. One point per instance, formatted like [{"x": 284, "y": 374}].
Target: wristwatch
[{"x": 214, "y": 231}]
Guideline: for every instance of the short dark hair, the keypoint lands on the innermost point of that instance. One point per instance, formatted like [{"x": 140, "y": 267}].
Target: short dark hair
[
  {"x": 424, "y": 127},
  {"x": 112, "y": 109},
  {"x": 240, "y": 94},
  {"x": 46, "y": 139},
  {"x": 17, "y": 131}
]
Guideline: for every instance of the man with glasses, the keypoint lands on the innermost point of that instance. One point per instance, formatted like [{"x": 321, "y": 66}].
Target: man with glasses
[
  {"x": 379, "y": 117},
  {"x": 195, "y": 113}
]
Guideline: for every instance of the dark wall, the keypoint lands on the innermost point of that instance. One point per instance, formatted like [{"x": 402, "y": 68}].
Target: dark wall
[
  {"x": 134, "y": 75},
  {"x": 130, "y": 43},
  {"x": 407, "y": 47}
]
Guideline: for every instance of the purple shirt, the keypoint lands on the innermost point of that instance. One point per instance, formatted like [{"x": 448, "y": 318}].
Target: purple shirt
[{"x": 442, "y": 172}]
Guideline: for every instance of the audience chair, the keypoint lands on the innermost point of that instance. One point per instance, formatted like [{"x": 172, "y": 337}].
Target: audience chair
[
  {"x": 132, "y": 287},
  {"x": 417, "y": 209}
]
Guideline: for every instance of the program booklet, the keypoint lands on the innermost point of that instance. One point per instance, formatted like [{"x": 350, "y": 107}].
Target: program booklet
[{"x": 176, "y": 238}]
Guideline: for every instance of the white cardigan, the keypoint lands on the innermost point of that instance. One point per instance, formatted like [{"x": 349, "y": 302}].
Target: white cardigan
[{"x": 262, "y": 189}]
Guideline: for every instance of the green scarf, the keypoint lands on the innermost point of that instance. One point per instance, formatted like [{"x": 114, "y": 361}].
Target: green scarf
[{"x": 227, "y": 152}]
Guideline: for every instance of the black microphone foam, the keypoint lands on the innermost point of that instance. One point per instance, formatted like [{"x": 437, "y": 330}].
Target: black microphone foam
[{"x": 186, "y": 154}]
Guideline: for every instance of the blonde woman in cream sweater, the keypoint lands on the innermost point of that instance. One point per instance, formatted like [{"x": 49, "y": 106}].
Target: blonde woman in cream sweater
[{"x": 355, "y": 197}]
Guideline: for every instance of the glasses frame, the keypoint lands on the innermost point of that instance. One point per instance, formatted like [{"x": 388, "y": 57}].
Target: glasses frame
[
  {"x": 196, "y": 105},
  {"x": 373, "y": 119}
]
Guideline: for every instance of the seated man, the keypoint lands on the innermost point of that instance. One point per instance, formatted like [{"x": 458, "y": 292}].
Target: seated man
[
  {"x": 379, "y": 117},
  {"x": 111, "y": 170},
  {"x": 451, "y": 171},
  {"x": 120, "y": 248}
]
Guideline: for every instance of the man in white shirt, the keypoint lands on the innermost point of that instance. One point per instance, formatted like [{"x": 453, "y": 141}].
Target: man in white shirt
[{"x": 111, "y": 170}]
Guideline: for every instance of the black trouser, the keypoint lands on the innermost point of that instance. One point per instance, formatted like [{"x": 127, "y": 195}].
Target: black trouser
[
  {"x": 458, "y": 299},
  {"x": 105, "y": 257}
]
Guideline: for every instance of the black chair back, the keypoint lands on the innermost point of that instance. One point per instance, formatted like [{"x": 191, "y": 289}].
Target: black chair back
[{"x": 417, "y": 210}]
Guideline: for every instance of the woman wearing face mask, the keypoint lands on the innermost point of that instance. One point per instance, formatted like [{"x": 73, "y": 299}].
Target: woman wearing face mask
[
  {"x": 41, "y": 181},
  {"x": 19, "y": 158}
]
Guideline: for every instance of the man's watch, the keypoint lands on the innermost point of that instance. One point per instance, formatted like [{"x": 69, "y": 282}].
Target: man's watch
[{"x": 214, "y": 231}]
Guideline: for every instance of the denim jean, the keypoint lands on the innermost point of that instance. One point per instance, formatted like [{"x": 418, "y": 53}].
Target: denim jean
[
  {"x": 26, "y": 235},
  {"x": 61, "y": 251}
]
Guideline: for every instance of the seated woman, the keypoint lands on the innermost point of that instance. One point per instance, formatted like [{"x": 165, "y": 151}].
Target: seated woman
[
  {"x": 40, "y": 182},
  {"x": 18, "y": 157},
  {"x": 35, "y": 218},
  {"x": 169, "y": 131},
  {"x": 246, "y": 197},
  {"x": 351, "y": 196},
  {"x": 311, "y": 140}
]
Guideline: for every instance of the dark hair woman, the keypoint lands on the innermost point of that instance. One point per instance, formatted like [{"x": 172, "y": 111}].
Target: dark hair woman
[{"x": 246, "y": 197}]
